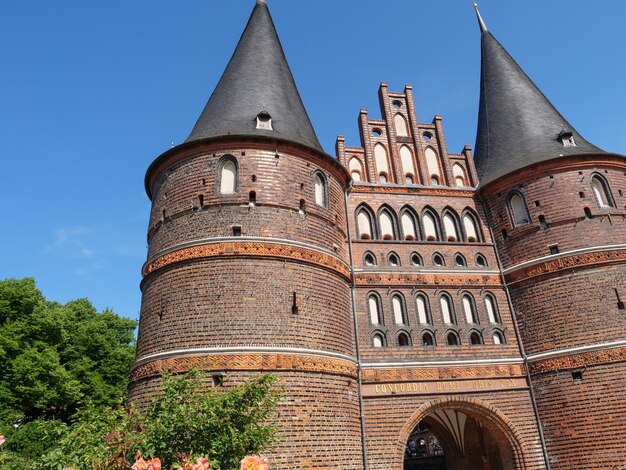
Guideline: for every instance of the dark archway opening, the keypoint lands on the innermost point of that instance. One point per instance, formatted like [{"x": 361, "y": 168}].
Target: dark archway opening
[{"x": 449, "y": 439}]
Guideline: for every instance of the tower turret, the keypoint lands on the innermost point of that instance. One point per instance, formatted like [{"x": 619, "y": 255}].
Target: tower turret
[
  {"x": 246, "y": 269},
  {"x": 555, "y": 205}
]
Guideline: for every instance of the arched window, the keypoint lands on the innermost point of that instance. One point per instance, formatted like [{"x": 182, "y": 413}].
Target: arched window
[
  {"x": 491, "y": 309},
  {"x": 428, "y": 339},
  {"x": 319, "y": 183},
  {"x": 409, "y": 228},
  {"x": 450, "y": 227},
  {"x": 476, "y": 338},
  {"x": 430, "y": 227},
  {"x": 387, "y": 225},
  {"x": 393, "y": 259},
  {"x": 519, "y": 212},
  {"x": 438, "y": 260},
  {"x": 459, "y": 260},
  {"x": 397, "y": 304},
  {"x": 447, "y": 312},
  {"x": 373, "y": 306},
  {"x": 460, "y": 178},
  {"x": 453, "y": 339},
  {"x": 498, "y": 338},
  {"x": 468, "y": 309},
  {"x": 481, "y": 261},
  {"x": 400, "y": 123},
  {"x": 406, "y": 156},
  {"x": 382, "y": 163},
  {"x": 228, "y": 176},
  {"x": 364, "y": 224},
  {"x": 356, "y": 169},
  {"x": 403, "y": 339},
  {"x": 423, "y": 309},
  {"x": 601, "y": 191},
  {"x": 432, "y": 163},
  {"x": 471, "y": 228},
  {"x": 378, "y": 340},
  {"x": 416, "y": 260},
  {"x": 369, "y": 259}
]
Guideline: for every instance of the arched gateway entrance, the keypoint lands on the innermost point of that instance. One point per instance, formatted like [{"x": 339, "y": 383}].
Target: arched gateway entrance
[{"x": 462, "y": 434}]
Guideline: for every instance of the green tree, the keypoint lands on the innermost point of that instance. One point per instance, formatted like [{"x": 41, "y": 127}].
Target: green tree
[{"x": 56, "y": 358}]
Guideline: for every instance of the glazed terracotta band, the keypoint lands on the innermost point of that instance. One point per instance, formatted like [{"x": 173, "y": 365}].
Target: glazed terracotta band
[
  {"x": 565, "y": 262},
  {"x": 575, "y": 361},
  {"x": 250, "y": 249},
  {"x": 377, "y": 279},
  {"x": 257, "y": 362}
]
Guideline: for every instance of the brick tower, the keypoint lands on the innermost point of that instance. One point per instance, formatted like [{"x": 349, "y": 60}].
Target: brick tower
[
  {"x": 247, "y": 264},
  {"x": 557, "y": 210}
]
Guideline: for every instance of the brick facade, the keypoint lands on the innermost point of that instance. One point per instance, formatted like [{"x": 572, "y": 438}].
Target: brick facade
[{"x": 391, "y": 294}]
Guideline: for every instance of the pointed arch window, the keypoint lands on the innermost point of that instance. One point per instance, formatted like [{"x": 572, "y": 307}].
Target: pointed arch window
[
  {"x": 428, "y": 339},
  {"x": 228, "y": 176},
  {"x": 409, "y": 228},
  {"x": 430, "y": 227},
  {"x": 468, "y": 309},
  {"x": 519, "y": 211},
  {"x": 498, "y": 338},
  {"x": 369, "y": 259},
  {"x": 491, "y": 309},
  {"x": 406, "y": 156},
  {"x": 401, "y": 127},
  {"x": 382, "y": 162},
  {"x": 460, "y": 177},
  {"x": 471, "y": 228},
  {"x": 387, "y": 225},
  {"x": 601, "y": 191},
  {"x": 320, "y": 189},
  {"x": 452, "y": 339},
  {"x": 450, "y": 227},
  {"x": 447, "y": 312},
  {"x": 375, "y": 312},
  {"x": 476, "y": 338},
  {"x": 399, "y": 314},
  {"x": 432, "y": 163},
  {"x": 378, "y": 340},
  {"x": 364, "y": 224},
  {"x": 404, "y": 340},
  {"x": 356, "y": 169},
  {"x": 423, "y": 309}
]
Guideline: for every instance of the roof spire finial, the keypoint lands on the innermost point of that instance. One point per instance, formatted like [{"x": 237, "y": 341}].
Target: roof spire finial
[
  {"x": 481, "y": 23},
  {"x": 261, "y": 2}
]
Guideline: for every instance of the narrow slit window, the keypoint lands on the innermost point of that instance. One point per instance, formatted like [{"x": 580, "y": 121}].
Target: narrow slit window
[{"x": 228, "y": 177}]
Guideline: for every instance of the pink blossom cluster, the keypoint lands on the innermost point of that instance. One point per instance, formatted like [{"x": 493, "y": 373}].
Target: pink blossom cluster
[
  {"x": 141, "y": 464},
  {"x": 201, "y": 464}
]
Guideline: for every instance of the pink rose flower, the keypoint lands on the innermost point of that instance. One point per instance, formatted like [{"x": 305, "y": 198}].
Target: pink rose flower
[
  {"x": 155, "y": 464},
  {"x": 2, "y": 439},
  {"x": 140, "y": 464},
  {"x": 201, "y": 464}
]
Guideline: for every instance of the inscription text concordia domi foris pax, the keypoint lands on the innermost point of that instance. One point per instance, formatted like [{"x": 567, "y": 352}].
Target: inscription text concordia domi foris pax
[{"x": 450, "y": 386}]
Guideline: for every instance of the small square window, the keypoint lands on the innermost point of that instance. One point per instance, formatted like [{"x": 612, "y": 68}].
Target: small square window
[{"x": 554, "y": 249}]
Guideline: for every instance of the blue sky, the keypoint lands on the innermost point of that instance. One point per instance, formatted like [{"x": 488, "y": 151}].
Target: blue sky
[{"x": 91, "y": 92}]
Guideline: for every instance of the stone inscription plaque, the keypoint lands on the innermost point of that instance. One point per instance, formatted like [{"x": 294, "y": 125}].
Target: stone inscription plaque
[{"x": 443, "y": 387}]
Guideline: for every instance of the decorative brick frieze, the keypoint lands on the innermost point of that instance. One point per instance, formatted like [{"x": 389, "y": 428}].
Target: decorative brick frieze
[
  {"x": 575, "y": 361},
  {"x": 566, "y": 262},
  {"x": 265, "y": 362},
  {"x": 404, "y": 279},
  {"x": 401, "y": 374},
  {"x": 411, "y": 191},
  {"x": 249, "y": 249}
]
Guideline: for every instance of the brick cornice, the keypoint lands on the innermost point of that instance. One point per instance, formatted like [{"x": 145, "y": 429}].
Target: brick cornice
[
  {"x": 574, "y": 361},
  {"x": 442, "y": 373},
  {"x": 563, "y": 262},
  {"x": 438, "y": 279},
  {"x": 250, "y": 249},
  {"x": 258, "y": 362}
]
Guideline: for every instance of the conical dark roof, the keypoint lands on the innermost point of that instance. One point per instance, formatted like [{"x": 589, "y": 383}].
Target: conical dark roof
[
  {"x": 517, "y": 124},
  {"x": 257, "y": 79}
]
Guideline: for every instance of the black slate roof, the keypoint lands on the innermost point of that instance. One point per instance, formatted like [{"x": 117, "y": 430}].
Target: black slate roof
[
  {"x": 517, "y": 124},
  {"x": 257, "y": 79}
]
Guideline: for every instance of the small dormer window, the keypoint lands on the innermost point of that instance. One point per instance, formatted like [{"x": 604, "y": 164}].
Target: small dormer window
[
  {"x": 264, "y": 121},
  {"x": 567, "y": 139}
]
